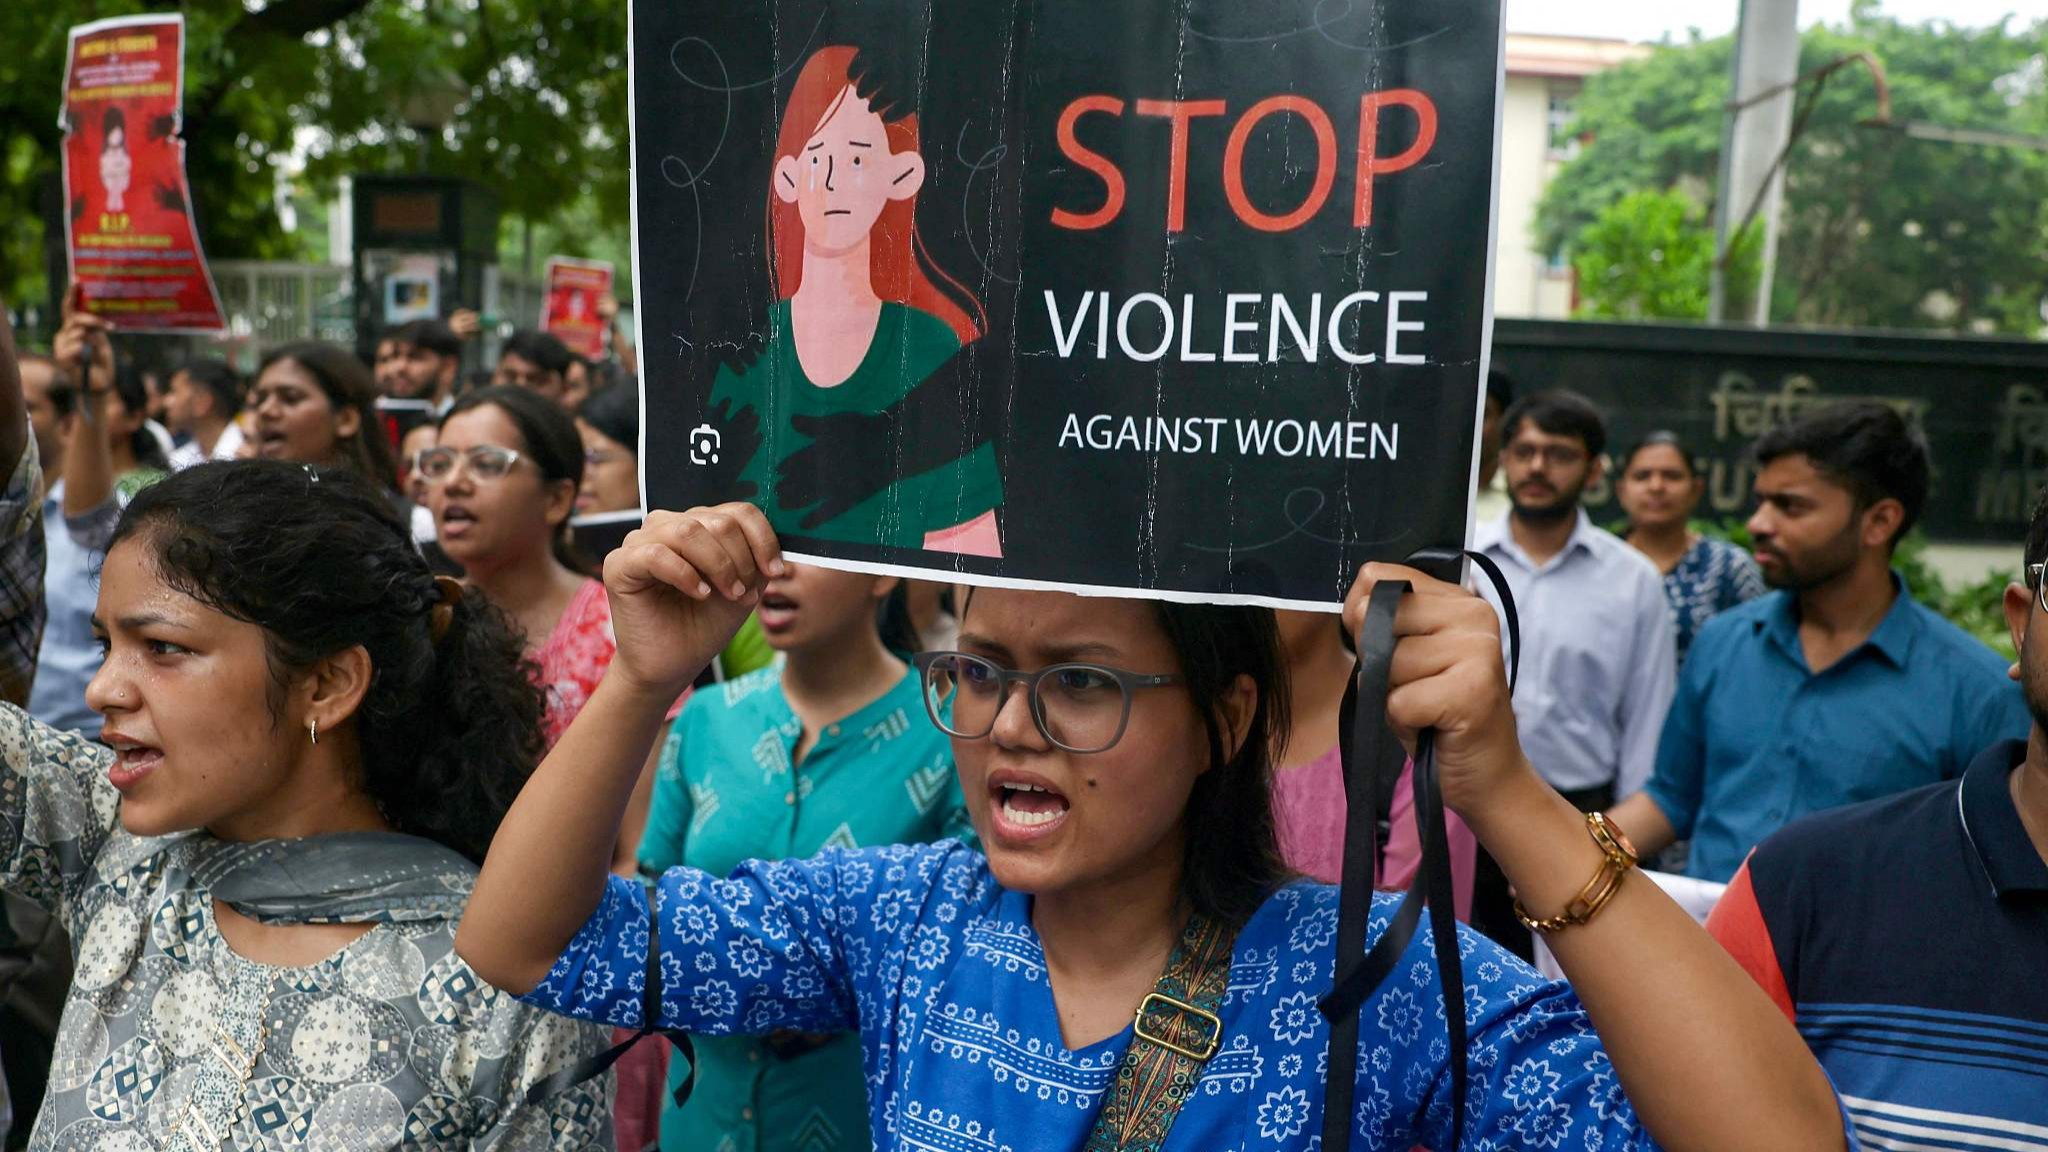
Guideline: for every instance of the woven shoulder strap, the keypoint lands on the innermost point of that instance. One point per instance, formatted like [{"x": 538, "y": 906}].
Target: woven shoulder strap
[{"x": 1178, "y": 1029}]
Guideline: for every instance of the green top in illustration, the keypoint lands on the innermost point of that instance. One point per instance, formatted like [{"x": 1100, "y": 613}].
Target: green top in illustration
[{"x": 908, "y": 346}]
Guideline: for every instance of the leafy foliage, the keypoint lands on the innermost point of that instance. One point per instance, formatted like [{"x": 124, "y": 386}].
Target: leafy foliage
[
  {"x": 537, "y": 91},
  {"x": 1879, "y": 230},
  {"x": 1650, "y": 255}
]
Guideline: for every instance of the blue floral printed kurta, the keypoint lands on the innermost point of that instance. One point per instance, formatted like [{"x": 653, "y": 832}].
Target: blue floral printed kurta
[
  {"x": 1712, "y": 577},
  {"x": 942, "y": 973}
]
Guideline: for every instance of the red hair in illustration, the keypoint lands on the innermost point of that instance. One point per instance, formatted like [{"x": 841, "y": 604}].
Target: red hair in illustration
[{"x": 834, "y": 184}]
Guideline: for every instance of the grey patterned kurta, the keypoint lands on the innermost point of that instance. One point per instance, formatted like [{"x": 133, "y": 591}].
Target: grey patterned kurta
[{"x": 393, "y": 1042}]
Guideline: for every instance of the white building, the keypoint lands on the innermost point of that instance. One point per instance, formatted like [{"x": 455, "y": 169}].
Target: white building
[{"x": 1545, "y": 74}]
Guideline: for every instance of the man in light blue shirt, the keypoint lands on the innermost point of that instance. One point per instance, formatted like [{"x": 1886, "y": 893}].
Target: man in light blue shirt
[
  {"x": 1597, "y": 645},
  {"x": 79, "y": 515},
  {"x": 1836, "y": 688}
]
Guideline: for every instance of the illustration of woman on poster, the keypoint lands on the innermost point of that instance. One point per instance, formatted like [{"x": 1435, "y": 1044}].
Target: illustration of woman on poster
[
  {"x": 125, "y": 167},
  {"x": 116, "y": 165},
  {"x": 860, "y": 317}
]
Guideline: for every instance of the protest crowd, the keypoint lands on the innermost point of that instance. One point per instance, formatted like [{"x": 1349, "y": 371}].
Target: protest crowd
[
  {"x": 379, "y": 652},
  {"x": 359, "y": 789}
]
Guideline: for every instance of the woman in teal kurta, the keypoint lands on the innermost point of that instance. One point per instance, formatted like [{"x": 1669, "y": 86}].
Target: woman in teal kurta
[{"x": 743, "y": 776}]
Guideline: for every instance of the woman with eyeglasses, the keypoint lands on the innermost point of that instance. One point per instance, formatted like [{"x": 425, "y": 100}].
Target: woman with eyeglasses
[
  {"x": 609, "y": 425},
  {"x": 501, "y": 480},
  {"x": 829, "y": 748},
  {"x": 1130, "y": 941}
]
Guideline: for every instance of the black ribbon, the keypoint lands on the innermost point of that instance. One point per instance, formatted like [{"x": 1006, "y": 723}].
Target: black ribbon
[
  {"x": 1372, "y": 759},
  {"x": 592, "y": 1067}
]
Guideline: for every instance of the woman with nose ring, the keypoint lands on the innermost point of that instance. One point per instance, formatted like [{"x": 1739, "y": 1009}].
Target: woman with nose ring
[
  {"x": 1127, "y": 939},
  {"x": 309, "y": 741}
]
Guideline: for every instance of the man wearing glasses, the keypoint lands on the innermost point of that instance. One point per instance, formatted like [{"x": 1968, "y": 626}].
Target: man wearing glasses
[
  {"x": 1934, "y": 1027},
  {"x": 1598, "y": 652},
  {"x": 1836, "y": 688}
]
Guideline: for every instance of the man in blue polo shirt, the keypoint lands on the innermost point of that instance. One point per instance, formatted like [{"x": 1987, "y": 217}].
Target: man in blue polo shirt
[
  {"x": 1907, "y": 937},
  {"x": 1836, "y": 688}
]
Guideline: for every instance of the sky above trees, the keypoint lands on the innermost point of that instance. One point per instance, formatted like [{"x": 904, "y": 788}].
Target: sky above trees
[{"x": 1636, "y": 20}]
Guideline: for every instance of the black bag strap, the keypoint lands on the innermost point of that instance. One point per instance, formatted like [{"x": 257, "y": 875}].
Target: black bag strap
[
  {"x": 592, "y": 1067},
  {"x": 1372, "y": 759}
]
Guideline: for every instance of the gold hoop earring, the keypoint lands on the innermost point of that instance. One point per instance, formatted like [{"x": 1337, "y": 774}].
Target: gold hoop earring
[{"x": 316, "y": 733}]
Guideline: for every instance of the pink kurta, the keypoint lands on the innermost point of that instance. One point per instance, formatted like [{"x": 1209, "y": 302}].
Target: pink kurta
[{"x": 1308, "y": 805}]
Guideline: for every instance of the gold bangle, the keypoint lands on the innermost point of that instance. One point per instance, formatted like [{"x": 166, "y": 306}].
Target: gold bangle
[{"x": 1617, "y": 859}]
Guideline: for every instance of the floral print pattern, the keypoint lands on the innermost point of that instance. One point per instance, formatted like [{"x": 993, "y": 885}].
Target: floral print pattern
[{"x": 940, "y": 970}]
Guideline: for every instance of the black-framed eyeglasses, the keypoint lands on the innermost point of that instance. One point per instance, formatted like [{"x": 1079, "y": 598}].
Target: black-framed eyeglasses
[
  {"x": 2035, "y": 582},
  {"x": 1079, "y": 707},
  {"x": 485, "y": 462},
  {"x": 1555, "y": 455}
]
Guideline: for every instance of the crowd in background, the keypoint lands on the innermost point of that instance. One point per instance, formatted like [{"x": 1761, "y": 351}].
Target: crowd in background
[{"x": 1702, "y": 695}]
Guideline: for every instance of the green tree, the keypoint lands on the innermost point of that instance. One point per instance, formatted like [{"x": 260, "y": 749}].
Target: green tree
[
  {"x": 1879, "y": 230},
  {"x": 1649, "y": 255},
  {"x": 537, "y": 91}
]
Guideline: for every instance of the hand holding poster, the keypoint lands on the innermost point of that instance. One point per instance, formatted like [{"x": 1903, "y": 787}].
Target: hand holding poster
[
  {"x": 1185, "y": 301},
  {"x": 133, "y": 249},
  {"x": 574, "y": 288}
]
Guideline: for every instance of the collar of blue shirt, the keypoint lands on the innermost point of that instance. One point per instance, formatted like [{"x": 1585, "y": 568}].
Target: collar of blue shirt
[
  {"x": 1498, "y": 536},
  {"x": 1992, "y": 824},
  {"x": 1893, "y": 638}
]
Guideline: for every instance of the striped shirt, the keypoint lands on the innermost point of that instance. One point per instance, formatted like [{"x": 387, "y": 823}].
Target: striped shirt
[{"x": 1907, "y": 938}]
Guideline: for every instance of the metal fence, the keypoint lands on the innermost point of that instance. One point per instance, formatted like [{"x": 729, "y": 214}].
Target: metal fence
[{"x": 271, "y": 302}]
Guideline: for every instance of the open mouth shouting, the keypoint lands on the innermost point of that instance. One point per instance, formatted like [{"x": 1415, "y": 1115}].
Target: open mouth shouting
[
  {"x": 1024, "y": 806},
  {"x": 456, "y": 521},
  {"x": 133, "y": 759}
]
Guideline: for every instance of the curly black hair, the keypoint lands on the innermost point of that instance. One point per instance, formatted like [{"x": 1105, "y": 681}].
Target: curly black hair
[{"x": 319, "y": 560}]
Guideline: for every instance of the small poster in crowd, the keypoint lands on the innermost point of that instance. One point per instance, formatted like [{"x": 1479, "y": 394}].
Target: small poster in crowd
[
  {"x": 573, "y": 289},
  {"x": 1186, "y": 301},
  {"x": 133, "y": 248},
  {"x": 412, "y": 290}
]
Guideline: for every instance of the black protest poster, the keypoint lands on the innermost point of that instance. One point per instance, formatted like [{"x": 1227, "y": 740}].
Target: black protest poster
[{"x": 1184, "y": 300}]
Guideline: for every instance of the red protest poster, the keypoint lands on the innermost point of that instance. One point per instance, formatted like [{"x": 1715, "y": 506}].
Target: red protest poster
[
  {"x": 573, "y": 289},
  {"x": 133, "y": 249}
]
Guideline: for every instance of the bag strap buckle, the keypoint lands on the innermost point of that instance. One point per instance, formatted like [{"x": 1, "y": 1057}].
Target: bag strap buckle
[{"x": 1211, "y": 1026}]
